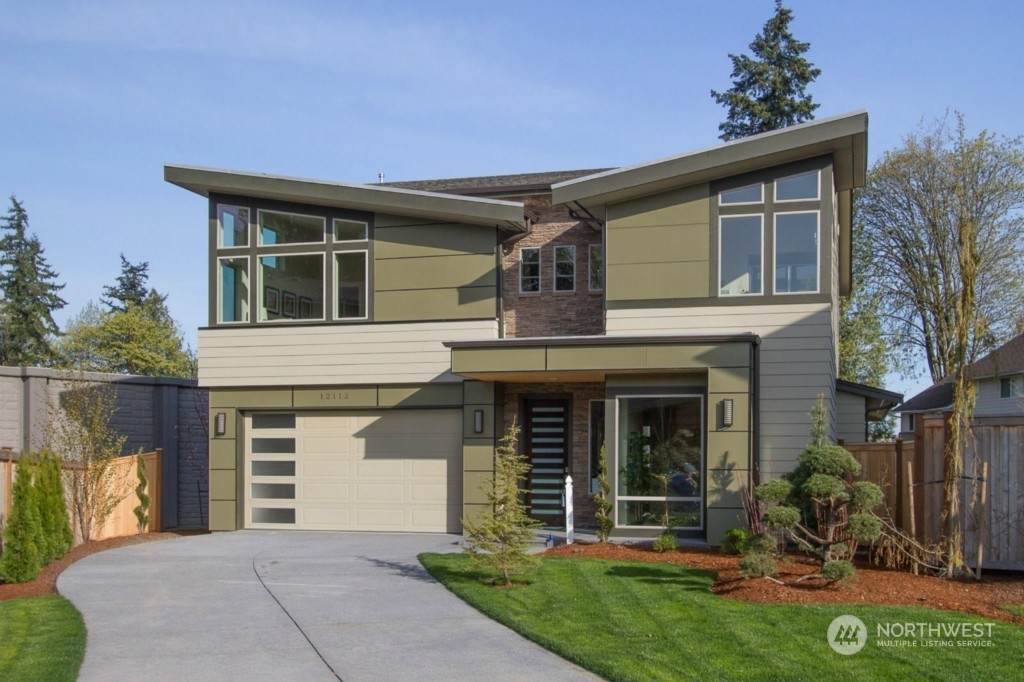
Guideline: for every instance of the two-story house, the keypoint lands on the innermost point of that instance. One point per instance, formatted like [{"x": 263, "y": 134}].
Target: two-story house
[{"x": 368, "y": 344}]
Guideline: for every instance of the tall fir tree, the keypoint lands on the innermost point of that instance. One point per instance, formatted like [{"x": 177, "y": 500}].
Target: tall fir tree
[
  {"x": 30, "y": 294},
  {"x": 130, "y": 288},
  {"x": 769, "y": 90}
]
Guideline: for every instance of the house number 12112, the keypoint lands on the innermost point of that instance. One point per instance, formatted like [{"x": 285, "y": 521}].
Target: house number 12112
[{"x": 334, "y": 396}]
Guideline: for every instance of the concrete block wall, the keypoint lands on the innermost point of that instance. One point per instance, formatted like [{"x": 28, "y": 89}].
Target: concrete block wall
[{"x": 153, "y": 412}]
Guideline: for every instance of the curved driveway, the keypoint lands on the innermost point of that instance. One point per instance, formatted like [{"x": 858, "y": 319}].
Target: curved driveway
[{"x": 265, "y": 605}]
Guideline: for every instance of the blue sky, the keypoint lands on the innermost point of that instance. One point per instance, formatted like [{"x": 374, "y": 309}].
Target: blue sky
[{"x": 97, "y": 96}]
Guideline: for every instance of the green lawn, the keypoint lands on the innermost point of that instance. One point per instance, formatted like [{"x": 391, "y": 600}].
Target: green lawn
[
  {"x": 42, "y": 638},
  {"x": 647, "y": 621},
  {"x": 1015, "y": 609}
]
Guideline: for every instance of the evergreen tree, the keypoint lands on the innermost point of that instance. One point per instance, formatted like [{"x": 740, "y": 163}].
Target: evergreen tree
[
  {"x": 30, "y": 294},
  {"x": 141, "y": 510},
  {"x": 605, "y": 522},
  {"x": 53, "y": 511},
  {"x": 130, "y": 288},
  {"x": 769, "y": 89},
  {"x": 20, "y": 561}
]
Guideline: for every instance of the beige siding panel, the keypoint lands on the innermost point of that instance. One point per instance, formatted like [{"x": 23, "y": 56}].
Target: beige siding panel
[
  {"x": 275, "y": 356},
  {"x": 465, "y": 303}
]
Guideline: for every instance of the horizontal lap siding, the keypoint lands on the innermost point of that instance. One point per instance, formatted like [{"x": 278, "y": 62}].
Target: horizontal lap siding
[
  {"x": 797, "y": 361},
  {"x": 335, "y": 354}
]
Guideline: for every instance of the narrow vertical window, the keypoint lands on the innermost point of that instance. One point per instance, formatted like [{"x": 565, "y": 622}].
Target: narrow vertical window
[
  {"x": 350, "y": 274},
  {"x": 565, "y": 268},
  {"x": 232, "y": 226},
  {"x": 233, "y": 284},
  {"x": 529, "y": 271},
  {"x": 739, "y": 253},
  {"x": 596, "y": 262}
]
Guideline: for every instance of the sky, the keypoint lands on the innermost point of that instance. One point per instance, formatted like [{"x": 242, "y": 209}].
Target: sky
[{"x": 99, "y": 95}]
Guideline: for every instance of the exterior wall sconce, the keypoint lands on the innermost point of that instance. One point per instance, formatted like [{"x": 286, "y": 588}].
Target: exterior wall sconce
[
  {"x": 220, "y": 424},
  {"x": 727, "y": 409},
  {"x": 478, "y": 421}
]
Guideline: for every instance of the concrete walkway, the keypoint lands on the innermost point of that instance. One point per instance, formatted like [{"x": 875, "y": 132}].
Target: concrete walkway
[{"x": 265, "y": 605}]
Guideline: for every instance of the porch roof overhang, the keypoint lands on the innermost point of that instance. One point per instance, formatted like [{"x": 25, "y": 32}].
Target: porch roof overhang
[
  {"x": 507, "y": 215},
  {"x": 592, "y": 358}
]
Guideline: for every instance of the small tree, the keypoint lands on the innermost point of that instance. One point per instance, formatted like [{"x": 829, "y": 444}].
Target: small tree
[
  {"x": 56, "y": 537},
  {"x": 500, "y": 538},
  {"x": 81, "y": 433},
  {"x": 141, "y": 510},
  {"x": 20, "y": 561},
  {"x": 605, "y": 522},
  {"x": 820, "y": 511}
]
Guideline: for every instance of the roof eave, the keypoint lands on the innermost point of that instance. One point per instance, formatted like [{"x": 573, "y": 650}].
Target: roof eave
[{"x": 430, "y": 205}]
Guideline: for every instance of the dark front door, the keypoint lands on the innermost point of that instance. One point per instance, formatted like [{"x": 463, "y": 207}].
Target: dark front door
[{"x": 546, "y": 444}]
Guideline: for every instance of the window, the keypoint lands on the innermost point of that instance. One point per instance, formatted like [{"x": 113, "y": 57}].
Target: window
[
  {"x": 233, "y": 288},
  {"x": 802, "y": 187},
  {"x": 596, "y": 261},
  {"x": 1011, "y": 387},
  {"x": 349, "y": 230},
  {"x": 289, "y": 228},
  {"x": 291, "y": 287},
  {"x": 232, "y": 226},
  {"x": 751, "y": 194},
  {"x": 350, "y": 275},
  {"x": 529, "y": 271},
  {"x": 796, "y": 252},
  {"x": 660, "y": 461},
  {"x": 739, "y": 253},
  {"x": 565, "y": 268},
  {"x": 596, "y": 443}
]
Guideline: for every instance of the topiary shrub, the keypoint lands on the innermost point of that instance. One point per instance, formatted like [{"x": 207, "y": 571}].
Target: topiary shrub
[
  {"x": 22, "y": 533},
  {"x": 666, "y": 542},
  {"x": 735, "y": 540},
  {"x": 762, "y": 542},
  {"x": 758, "y": 565}
]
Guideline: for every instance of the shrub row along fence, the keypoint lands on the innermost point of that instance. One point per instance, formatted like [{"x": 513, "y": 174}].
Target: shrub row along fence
[
  {"x": 122, "y": 520},
  {"x": 912, "y": 475}
]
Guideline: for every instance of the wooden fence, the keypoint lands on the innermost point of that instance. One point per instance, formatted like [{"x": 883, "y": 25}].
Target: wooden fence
[
  {"x": 122, "y": 521},
  {"x": 912, "y": 474}
]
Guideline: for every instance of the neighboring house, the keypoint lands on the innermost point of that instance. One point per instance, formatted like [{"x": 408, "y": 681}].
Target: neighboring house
[
  {"x": 368, "y": 344},
  {"x": 999, "y": 384},
  {"x": 858, "y": 404}
]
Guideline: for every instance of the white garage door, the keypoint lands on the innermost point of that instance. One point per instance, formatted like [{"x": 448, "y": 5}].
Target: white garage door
[{"x": 393, "y": 470}]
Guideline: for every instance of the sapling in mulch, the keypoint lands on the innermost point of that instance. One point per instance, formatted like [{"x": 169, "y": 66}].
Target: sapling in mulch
[{"x": 605, "y": 522}]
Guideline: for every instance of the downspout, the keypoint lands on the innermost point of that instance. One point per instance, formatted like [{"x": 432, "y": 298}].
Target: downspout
[
  {"x": 755, "y": 408},
  {"x": 505, "y": 247}
]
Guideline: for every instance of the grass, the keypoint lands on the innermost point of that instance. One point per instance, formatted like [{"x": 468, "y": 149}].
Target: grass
[
  {"x": 1015, "y": 609},
  {"x": 41, "y": 638},
  {"x": 646, "y": 621}
]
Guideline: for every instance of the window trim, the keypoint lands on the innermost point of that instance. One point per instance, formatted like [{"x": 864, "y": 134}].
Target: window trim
[
  {"x": 817, "y": 187},
  {"x": 590, "y": 267},
  {"x": 334, "y": 232},
  {"x": 259, "y": 227},
  {"x": 554, "y": 269},
  {"x": 759, "y": 185},
  {"x": 220, "y": 290},
  {"x": 220, "y": 231},
  {"x": 721, "y": 218},
  {"x": 817, "y": 251},
  {"x": 262, "y": 289},
  {"x": 540, "y": 269},
  {"x": 335, "y": 317}
]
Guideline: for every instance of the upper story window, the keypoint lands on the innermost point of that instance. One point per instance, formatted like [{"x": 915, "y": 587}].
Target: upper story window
[
  {"x": 596, "y": 269},
  {"x": 529, "y": 271},
  {"x": 739, "y": 250},
  {"x": 304, "y": 266},
  {"x": 796, "y": 252},
  {"x": 1011, "y": 387},
  {"x": 800, "y": 187},
  {"x": 751, "y": 194},
  {"x": 565, "y": 268}
]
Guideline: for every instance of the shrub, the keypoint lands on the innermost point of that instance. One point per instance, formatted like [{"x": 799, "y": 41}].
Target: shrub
[
  {"x": 56, "y": 538},
  {"x": 141, "y": 510},
  {"x": 762, "y": 543},
  {"x": 757, "y": 565},
  {"x": 837, "y": 570},
  {"x": 666, "y": 542},
  {"x": 735, "y": 540},
  {"x": 605, "y": 523},
  {"x": 20, "y": 560}
]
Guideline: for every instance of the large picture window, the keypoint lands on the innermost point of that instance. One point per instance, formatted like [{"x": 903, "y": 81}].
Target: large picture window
[
  {"x": 739, "y": 247},
  {"x": 796, "y": 252},
  {"x": 291, "y": 287},
  {"x": 660, "y": 461}
]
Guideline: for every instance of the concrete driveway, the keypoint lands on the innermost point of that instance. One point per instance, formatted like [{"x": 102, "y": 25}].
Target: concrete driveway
[{"x": 265, "y": 605}]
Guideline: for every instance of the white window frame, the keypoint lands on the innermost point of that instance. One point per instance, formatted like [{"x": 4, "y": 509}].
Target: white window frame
[
  {"x": 262, "y": 287},
  {"x": 817, "y": 188},
  {"x": 366, "y": 285},
  {"x": 334, "y": 231},
  {"x": 554, "y": 267},
  {"x": 590, "y": 267},
  {"x": 259, "y": 227},
  {"x": 220, "y": 290},
  {"x": 643, "y": 498},
  {"x": 759, "y": 185},
  {"x": 817, "y": 252},
  {"x": 760, "y": 217},
  {"x": 220, "y": 231},
  {"x": 540, "y": 269}
]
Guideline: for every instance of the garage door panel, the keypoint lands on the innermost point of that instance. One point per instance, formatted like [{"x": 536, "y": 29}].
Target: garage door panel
[{"x": 397, "y": 470}]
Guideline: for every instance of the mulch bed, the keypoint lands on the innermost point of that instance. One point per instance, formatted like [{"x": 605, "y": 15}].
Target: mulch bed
[
  {"x": 873, "y": 586},
  {"x": 46, "y": 583}
]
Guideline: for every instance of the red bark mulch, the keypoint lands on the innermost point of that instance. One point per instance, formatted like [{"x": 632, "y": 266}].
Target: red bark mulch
[{"x": 873, "y": 586}]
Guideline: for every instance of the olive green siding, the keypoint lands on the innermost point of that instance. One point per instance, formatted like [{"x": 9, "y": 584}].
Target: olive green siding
[
  {"x": 658, "y": 246},
  {"x": 478, "y": 448},
  {"x": 433, "y": 271}
]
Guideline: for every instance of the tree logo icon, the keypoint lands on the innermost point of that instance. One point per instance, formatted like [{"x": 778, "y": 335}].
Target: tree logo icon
[{"x": 847, "y": 635}]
